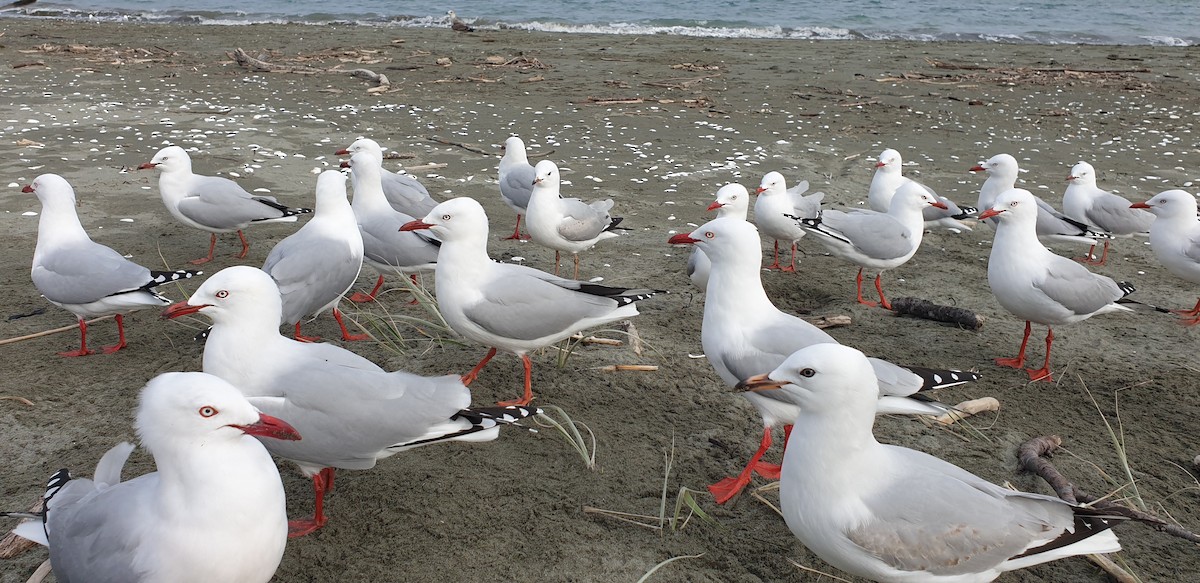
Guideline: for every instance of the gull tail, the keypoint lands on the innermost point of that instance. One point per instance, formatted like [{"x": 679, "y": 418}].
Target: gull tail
[
  {"x": 35, "y": 530},
  {"x": 1126, "y": 289},
  {"x": 289, "y": 213},
  {"x": 966, "y": 212},
  {"x": 939, "y": 379},
  {"x": 612, "y": 226},
  {"x": 164, "y": 277},
  {"x": 476, "y": 424}
]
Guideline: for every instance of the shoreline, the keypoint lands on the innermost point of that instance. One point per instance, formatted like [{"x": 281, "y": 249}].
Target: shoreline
[{"x": 657, "y": 123}]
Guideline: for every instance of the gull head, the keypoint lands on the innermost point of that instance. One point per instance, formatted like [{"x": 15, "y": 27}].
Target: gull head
[
  {"x": 362, "y": 145},
  {"x": 772, "y": 183},
  {"x": 52, "y": 190},
  {"x": 196, "y": 408},
  {"x": 235, "y": 294},
  {"x": 913, "y": 195},
  {"x": 889, "y": 161},
  {"x": 1082, "y": 173},
  {"x": 546, "y": 174},
  {"x": 998, "y": 165},
  {"x": 170, "y": 159},
  {"x": 732, "y": 199},
  {"x": 461, "y": 218},
  {"x": 1169, "y": 203},
  {"x": 1015, "y": 204},
  {"x": 513, "y": 144},
  {"x": 331, "y": 188},
  {"x": 821, "y": 377},
  {"x": 724, "y": 240}
]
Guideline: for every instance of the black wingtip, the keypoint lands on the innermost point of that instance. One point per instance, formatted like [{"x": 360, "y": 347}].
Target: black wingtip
[
  {"x": 940, "y": 379},
  {"x": 1126, "y": 288}
]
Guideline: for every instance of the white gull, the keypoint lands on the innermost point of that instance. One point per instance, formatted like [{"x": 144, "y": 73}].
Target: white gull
[
  {"x": 565, "y": 224},
  {"x": 1088, "y": 203},
  {"x": 775, "y": 207},
  {"x": 1175, "y": 239}
]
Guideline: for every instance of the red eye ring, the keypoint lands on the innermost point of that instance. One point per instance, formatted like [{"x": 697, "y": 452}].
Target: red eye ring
[
  {"x": 207, "y": 411},
  {"x": 222, "y": 294},
  {"x": 709, "y": 235}
]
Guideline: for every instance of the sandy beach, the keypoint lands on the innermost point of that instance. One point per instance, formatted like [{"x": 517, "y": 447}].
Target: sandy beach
[{"x": 658, "y": 124}]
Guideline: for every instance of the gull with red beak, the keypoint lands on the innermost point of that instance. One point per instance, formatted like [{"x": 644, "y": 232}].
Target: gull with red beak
[
  {"x": 404, "y": 193},
  {"x": 733, "y": 200},
  {"x": 888, "y": 180},
  {"x": 212, "y": 203},
  {"x": 1175, "y": 239},
  {"x": 351, "y": 412},
  {"x": 744, "y": 334},
  {"x": 213, "y": 511},
  {"x": 516, "y": 176},
  {"x": 1088, "y": 203},
  {"x": 1035, "y": 284},
  {"x": 82, "y": 276},
  {"x": 889, "y": 513},
  {"x": 565, "y": 224},
  {"x": 511, "y": 307},
  {"x": 775, "y": 207},
  {"x": 872, "y": 240}
]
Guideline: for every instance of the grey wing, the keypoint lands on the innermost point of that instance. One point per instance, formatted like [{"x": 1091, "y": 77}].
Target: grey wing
[
  {"x": 311, "y": 273},
  {"x": 384, "y": 242},
  {"x": 1191, "y": 246},
  {"x": 582, "y": 221},
  {"x": 220, "y": 203},
  {"x": 766, "y": 347},
  {"x": 1112, "y": 213},
  {"x": 1052, "y": 222},
  {"x": 98, "y": 538},
  {"x": 876, "y": 235},
  {"x": 1077, "y": 289},
  {"x": 406, "y": 194},
  {"x": 935, "y": 517},
  {"x": 516, "y": 186},
  {"x": 529, "y": 308},
  {"x": 83, "y": 274},
  {"x": 807, "y": 206}
]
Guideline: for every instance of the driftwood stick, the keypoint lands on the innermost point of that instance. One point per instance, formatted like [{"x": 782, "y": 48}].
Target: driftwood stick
[
  {"x": 245, "y": 60},
  {"x": 968, "y": 408},
  {"x": 49, "y": 332},
  {"x": 824, "y": 322},
  {"x": 467, "y": 147},
  {"x": 379, "y": 79},
  {"x": 1030, "y": 455},
  {"x": 928, "y": 310}
]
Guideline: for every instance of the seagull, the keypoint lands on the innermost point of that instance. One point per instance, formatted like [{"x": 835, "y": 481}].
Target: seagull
[
  {"x": 213, "y": 511},
  {"x": 212, "y": 203},
  {"x": 565, "y": 224},
  {"x": 387, "y": 250},
  {"x": 1002, "y": 171},
  {"x": 1035, "y": 284},
  {"x": 511, "y": 307},
  {"x": 404, "y": 193},
  {"x": 82, "y": 276},
  {"x": 873, "y": 240},
  {"x": 319, "y": 263},
  {"x": 351, "y": 412},
  {"x": 457, "y": 24},
  {"x": 1175, "y": 239},
  {"x": 889, "y": 513},
  {"x": 888, "y": 180},
  {"x": 776, "y": 205},
  {"x": 1087, "y": 203},
  {"x": 733, "y": 200},
  {"x": 516, "y": 181},
  {"x": 743, "y": 333}
]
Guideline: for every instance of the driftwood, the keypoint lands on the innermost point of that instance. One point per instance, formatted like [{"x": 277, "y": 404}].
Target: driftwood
[
  {"x": 467, "y": 147},
  {"x": 968, "y": 408},
  {"x": 54, "y": 331},
  {"x": 930, "y": 311},
  {"x": 242, "y": 58},
  {"x": 824, "y": 322},
  {"x": 1031, "y": 459},
  {"x": 629, "y": 367}
]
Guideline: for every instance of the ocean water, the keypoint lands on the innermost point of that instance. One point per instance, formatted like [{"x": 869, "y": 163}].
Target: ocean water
[{"x": 1147, "y": 22}]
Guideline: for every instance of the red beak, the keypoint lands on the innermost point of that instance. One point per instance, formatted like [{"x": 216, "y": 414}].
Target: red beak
[
  {"x": 759, "y": 190},
  {"x": 977, "y": 168},
  {"x": 342, "y": 152},
  {"x": 272, "y": 427},
  {"x": 414, "y": 226},
  {"x": 181, "y": 309},
  {"x": 1136, "y": 205},
  {"x": 989, "y": 214},
  {"x": 344, "y": 164},
  {"x": 682, "y": 239},
  {"x": 29, "y": 188},
  {"x": 939, "y": 204},
  {"x": 880, "y": 164},
  {"x": 146, "y": 166},
  {"x": 712, "y": 207},
  {"x": 1070, "y": 177}
]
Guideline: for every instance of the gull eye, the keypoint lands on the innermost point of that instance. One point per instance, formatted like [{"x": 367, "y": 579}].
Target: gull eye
[
  {"x": 1013, "y": 204},
  {"x": 222, "y": 294},
  {"x": 445, "y": 217},
  {"x": 207, "y": 411},
  {"x": 807, "y": 372},
  {"x": 709, "y": 235}
]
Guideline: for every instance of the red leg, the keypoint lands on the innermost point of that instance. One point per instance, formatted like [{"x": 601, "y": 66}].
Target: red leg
[
  {"x": 470, "y": 377},
  {"x": 791, "y": 268},
  {"x": 245, "y": 245},
  {"x": 576, "y": 266},
  {"x": 858, "y": 286},
  {"x": 883, "y": 302},
  {"x": 1043, "y": 374},
  {"x": 308, "y": 525},
  {"x": 327, "y": 474},
  {"x": 773, "y": 471},
  {"x": 726, "y": 489},
  {"x": 1019, "y": 361},
  {"x": 120, "y": 337},
  {"x": 1192, "y": 313},
  {"x": 303, "y": 338},
  {"x": 359, "y": 297},
  {"x": 517, "y": 233},
  {"x": 346, "y": 335},
  {"x": 83, "y": 349},
  {"x": 1104, "y": 256},
  {"x": 212, "y": 246},
  {"x": 775, "y": 264},
  {"x": 556, "y": 259},
  {"x": 413, "y": 279},
  {"x": 528, "y": 397}
]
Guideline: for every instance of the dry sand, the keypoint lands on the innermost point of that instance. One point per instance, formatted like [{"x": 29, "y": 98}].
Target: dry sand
[{"x": 103, "y": 98}]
